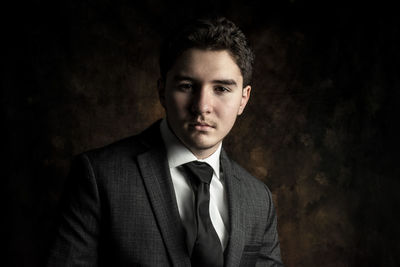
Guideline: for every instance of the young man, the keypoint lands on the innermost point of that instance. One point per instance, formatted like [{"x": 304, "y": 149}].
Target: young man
[{"x": 171, "y": 196}]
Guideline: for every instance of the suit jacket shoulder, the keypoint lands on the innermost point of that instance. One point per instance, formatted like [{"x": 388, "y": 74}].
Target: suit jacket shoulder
[
  {"x": 118, "y": 160},
  {"x": 128, "y": 147},
  {"x": 259, "y": 190},
  {"x": 248, "y": 177}
]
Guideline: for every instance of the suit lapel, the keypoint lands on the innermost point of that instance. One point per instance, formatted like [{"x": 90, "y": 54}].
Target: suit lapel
[
  {"x": 155, "y": 172},
  {"x": 237, "y": 232}
]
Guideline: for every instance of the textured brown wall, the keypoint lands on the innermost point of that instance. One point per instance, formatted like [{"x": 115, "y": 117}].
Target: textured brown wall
[{"x": 320, "y": 128}]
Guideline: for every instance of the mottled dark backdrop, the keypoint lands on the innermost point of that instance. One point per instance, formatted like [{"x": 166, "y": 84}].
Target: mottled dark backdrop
[{"x": 320, "y": 129}]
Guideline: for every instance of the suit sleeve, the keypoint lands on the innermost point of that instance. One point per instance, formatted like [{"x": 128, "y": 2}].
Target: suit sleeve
[
  {"x": 270, "y": 254},
  {"x": 76, "y": 242}
]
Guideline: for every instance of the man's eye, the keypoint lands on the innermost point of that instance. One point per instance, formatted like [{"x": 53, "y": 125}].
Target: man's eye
[
  {"x": 185, "y": 86},
  {"x": 221, "y": 89}
]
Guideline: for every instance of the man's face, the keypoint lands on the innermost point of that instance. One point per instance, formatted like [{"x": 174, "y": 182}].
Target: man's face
[{"x": 202, "y": 95}]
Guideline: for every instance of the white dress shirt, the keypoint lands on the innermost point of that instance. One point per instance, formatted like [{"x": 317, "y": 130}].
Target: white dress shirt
[{"x": 178, "y": 155}]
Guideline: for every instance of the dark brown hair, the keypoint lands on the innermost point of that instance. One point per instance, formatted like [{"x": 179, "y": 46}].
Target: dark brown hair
[{"x": 209, "y": 34}]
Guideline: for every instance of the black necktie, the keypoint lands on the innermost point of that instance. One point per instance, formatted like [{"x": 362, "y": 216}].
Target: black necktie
[{"x": 206, "y": 250}]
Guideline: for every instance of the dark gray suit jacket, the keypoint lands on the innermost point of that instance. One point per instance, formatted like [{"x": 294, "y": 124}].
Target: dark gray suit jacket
[{"x": 119, "y": 209}]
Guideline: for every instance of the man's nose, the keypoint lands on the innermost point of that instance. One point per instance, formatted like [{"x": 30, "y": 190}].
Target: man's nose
[{"x": 202, "y": 101}]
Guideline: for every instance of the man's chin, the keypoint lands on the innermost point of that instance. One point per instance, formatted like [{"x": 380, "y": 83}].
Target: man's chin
[{"x": 202, "y": 144}]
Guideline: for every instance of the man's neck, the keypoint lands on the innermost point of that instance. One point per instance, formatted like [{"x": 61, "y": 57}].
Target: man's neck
[{"x": 203, "y": 153}]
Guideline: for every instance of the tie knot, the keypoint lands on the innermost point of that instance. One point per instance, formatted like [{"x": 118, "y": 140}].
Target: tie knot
[{"x": 200, "y": 170}]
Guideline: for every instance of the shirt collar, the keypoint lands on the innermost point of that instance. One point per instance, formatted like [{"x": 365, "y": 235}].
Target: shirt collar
[{"x": 178, "y": 154}]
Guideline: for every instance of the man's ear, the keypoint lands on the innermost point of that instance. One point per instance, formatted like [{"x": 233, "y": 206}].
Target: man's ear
[
  {"x": 161, "y": 91},
  {"x": 245, "y": 98}
]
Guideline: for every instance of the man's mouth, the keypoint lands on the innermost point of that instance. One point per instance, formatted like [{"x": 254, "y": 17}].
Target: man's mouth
[{"x": 202, "y": 125}]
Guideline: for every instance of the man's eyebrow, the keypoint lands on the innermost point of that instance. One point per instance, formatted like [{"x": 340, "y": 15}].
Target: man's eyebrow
[
  {"x": 179, "y": 77},
  {"x": 225, "y": 82}
]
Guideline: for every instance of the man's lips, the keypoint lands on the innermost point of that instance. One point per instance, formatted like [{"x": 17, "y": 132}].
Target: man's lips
[{"x": 202, "y": 126}]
